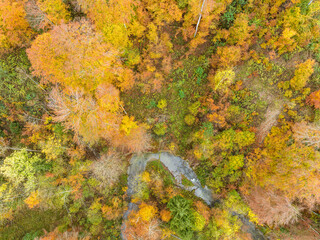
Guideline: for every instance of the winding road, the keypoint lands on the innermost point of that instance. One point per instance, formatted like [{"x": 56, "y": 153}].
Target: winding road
[{"x": 178, "y": 168}]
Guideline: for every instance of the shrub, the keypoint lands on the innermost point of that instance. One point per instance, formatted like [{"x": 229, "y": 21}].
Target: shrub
[
  {"x": 162, "y": 104},
  {"x": 189, "y": 119},
  {"x": 160, "y": 129}
]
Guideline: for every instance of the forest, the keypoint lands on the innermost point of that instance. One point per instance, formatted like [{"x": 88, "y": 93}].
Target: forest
[{"x": 160, "y": 119}]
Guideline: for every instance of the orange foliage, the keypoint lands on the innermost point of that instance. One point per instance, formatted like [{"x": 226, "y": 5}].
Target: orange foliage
[
  {"x": 33, "y": 200},
  {"x": 143, "y": 230},
  {"x": 163, "y": 11},
  {"x": 137, "y": 141},
  {"x": 290, "y": 170},
  {"x": 227, "y": 56},
  {"x": 14, "y": 29},
  {"x": 43, "y": 14},
  {"x": 75, "y": 181},
  {"x": 143, "y": 224},
  {"x": 70, "y": 54},
  {"x": 165, "y": 215},
  {"x": 314, "y": 99},
  {"x": 203, "y": 209}
]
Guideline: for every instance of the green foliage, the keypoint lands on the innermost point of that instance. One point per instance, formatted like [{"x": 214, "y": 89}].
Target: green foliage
[
  {"x": 227, "y": 172},
  {"x": 32, "y": 235},
  {"x": 183, "y": 220},
  {"x": 189, "y": 119},
  {"x": 185, "y": 181},
  {"x": 234, "y": 8},
  {"x": 29, "y": 222},
  {"x": 200, "y": 74},
  {"x": 16, "y": 90},
  {"x": 160, "y": 129},
  {"x": 232, "y": 140},
  {"x": 15, "y": 128},
  {"x": 182, "y": 3},
  {"x": 212, "y": 231},
  {"x": 158, "y": 167},
  {"x": 22, "y": 167}
]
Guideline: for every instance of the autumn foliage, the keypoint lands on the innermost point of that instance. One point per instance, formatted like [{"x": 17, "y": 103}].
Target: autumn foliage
[
  {"x": 15, "y": 30},
  {"x": 62, "y": 52},
  {"x": 89, "y": 88}
]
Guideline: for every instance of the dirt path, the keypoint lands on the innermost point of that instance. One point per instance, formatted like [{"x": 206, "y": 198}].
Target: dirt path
[{"x": 271, "y": 119}]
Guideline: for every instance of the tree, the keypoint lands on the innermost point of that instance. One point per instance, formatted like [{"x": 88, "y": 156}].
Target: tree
[
  {"x": 108, "y": 168},
  {"x": 226, "y": 56},
  {"x": 143, "y": 224},
  {"x": 74, "y": 55},
  {"x": 302, "y": 74},
  {"x": 314, "y": 99},
  {"x": 72, "y": 234},
  {"x": 22, "y": 168},
  {"x": 240, "y": 31},
  {"x": 271, "y": 208},
  {"x": 163, "y": 11},
  {"x": 288, "y": 169},
  {"x": 138, "y": 140},
  {"x": 43, "y": 14},
  {"x": 222, "y": 79},
  {"x": 79, "y": 112},
  {"x": 14, "y": 29},
  {"x": 121, "y": 23},
  {"x": 93, "y": 120}
]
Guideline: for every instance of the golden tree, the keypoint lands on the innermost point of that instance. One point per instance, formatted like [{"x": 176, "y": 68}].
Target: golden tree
[{"x": 14, "y": 28}]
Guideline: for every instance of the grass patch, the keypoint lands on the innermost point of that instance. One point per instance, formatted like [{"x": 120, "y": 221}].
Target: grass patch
[
  {"x": 185, "y": 181},
  {"x": 157, "y": 166},
  {"x": 30, "y": 223}
]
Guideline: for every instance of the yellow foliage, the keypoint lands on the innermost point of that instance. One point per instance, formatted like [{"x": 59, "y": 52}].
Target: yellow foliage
[
  {"x": 14, "y": 29},
  {"x": 147, "y": 212},
  {"x": 146, "y": 177},
  {"x": 162, "y": 104},
  {"x": 288, "y": 33},
  {"x": 56, "y": 10},
  {"x": 7, "y": 215},
  {"x": 128, "y": 124},
  {"x": 52, "y": 148},
  {"x": 152, "y": 32},
  {"x": 222, "y": 79},
  {"x": 302, "y": 74}
]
